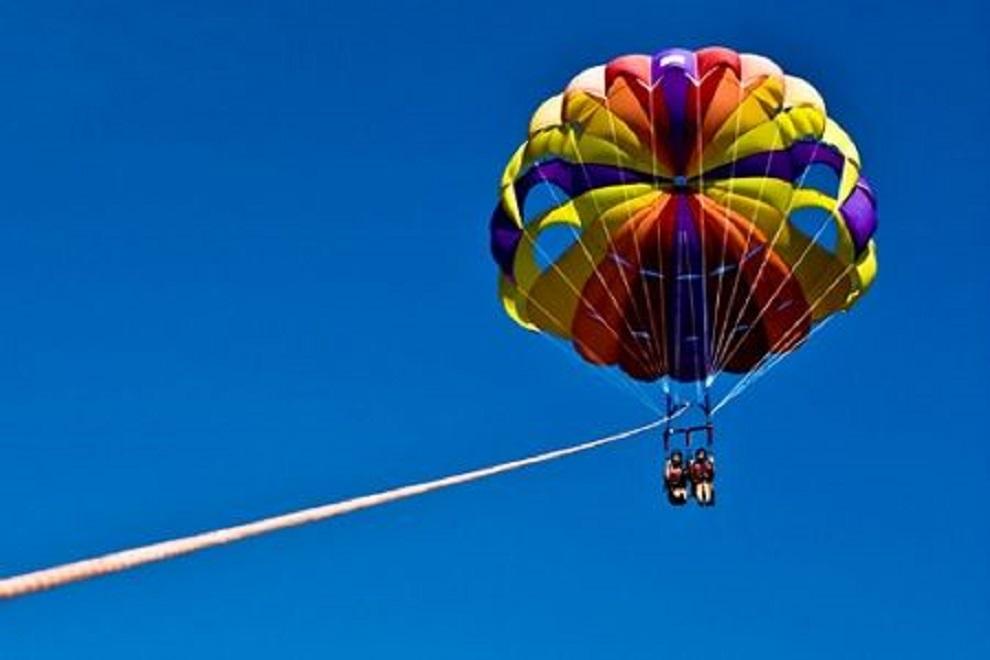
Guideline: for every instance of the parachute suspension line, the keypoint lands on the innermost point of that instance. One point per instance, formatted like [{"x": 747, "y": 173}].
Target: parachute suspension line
[
  {"x": 698, "y": 338},
  {"x": 781, "y": 344},
  {"x": 766, "y": 365},
  {"x": 661, "y": 284},
  {"x": 685, "y": 281},
  {"x": 648, "y": 350},
  {"x": 644, "y": 359},
  {"x": 767, "y": 251},
  {"x": 57, "y": 576},
  {"x": 704, "y": 340},
  {"x": 662, "y": 290},
  {"x": 727, "y": 331},
  {"x": 693, "y": 313},
  {"x": 768, "y": 362},
  {"x": 668, "y": 429},
  {"x": 678, "y": 257},
  {"x": 773, "y": 358},
  {"x": 627, "y": 385},
  {"x": 571, "y": 286},
  {"x": 657, "y": 341},
  {"x": 715, "y": 339},
  {"x": 607, "y": 374}
]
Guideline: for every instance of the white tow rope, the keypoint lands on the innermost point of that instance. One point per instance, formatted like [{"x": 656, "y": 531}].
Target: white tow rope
[{"x": 57, "y": 576}]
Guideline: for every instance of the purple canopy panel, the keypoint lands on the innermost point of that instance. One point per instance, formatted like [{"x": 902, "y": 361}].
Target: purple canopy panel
[
  {"x": 676, "y": 70},
  {"x": 686, "y": 298},
  {"x": 860, "y": 214},
  {"x": 505, "y": 236}
]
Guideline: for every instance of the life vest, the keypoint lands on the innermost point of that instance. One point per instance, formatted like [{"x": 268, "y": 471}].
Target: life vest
[
  {"x": 703, "y": 470},
  {"x": 675, "y": 475}
]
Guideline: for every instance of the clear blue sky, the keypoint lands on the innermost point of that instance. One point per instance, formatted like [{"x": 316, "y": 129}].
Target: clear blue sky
[{"x": 244, "y": 269}]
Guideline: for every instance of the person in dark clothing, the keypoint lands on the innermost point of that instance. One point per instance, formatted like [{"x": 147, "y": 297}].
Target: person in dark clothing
[
  {"x": 675, "y": 479},
  {"x": 702, "y": 474}
]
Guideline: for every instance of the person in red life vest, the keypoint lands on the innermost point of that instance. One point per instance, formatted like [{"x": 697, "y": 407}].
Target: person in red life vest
[
  {"x": 702, "y": 472},
  {"x": 675, "y": 479}
]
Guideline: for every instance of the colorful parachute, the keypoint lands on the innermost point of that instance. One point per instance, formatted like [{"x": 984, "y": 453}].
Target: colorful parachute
[{"x": 682, "y": 176}]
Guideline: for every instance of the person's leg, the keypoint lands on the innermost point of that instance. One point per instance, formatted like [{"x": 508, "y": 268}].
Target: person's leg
[{"x": 704, "y": 493}]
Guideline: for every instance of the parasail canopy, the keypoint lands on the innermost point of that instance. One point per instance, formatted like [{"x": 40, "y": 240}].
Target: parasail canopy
[{"x": 685, "y": 179}]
